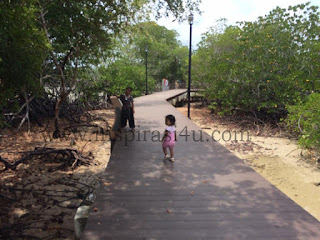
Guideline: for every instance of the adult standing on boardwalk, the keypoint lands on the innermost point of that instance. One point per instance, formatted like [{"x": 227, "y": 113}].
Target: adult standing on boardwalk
[{"x": 127, "y": 113}]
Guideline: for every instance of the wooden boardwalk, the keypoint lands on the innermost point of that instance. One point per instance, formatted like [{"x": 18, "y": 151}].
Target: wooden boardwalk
[{"x": 207, "y": 193}]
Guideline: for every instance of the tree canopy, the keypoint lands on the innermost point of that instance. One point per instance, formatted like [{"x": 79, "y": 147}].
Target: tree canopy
[
  {"x": 46, "y": 42},
  {"x": 128, "y": 66}
]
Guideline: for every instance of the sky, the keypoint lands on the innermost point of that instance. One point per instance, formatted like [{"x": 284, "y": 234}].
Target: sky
[{"x": 232, "y": 10}]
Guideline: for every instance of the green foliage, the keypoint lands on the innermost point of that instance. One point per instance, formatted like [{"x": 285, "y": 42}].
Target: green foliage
[
  {"x": 165, "y": 53},
  {"x": 264, "y": 65},
  {"x": 178, "y": 8},
  {"x": 214, "y": 68},
  {"x": 58, "y": 44},
  {"x": 78, "y": 34},
  {"x": 304, "y": 118},
  {"x": 166, "y": 59},
  {"x": 89, "y": 87},
  {"x": 121, "y": 74},
  {"x": 22, "y": 49},
  {"x": 83, "y": 32}
]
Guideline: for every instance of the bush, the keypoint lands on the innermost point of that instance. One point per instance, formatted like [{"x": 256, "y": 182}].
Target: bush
[
  {"x": 304, "y": 118},
  {"x": 262, "y": 66}
]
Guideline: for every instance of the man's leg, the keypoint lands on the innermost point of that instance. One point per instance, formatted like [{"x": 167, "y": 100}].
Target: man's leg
[
  {"x": 124, "y": 117},
  {"x": 131, "y": 119}
]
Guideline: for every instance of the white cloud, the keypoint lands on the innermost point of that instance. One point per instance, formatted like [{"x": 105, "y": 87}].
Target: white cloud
[{"x": 232, "y": 10}]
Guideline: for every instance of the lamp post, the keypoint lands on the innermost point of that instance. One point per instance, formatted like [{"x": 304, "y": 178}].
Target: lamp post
[
  {"x": 190, "y": 19},
  {"x": 146, "y": 69}
]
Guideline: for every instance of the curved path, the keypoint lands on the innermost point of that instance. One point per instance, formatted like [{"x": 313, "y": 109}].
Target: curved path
[{"x": 207, "y": 193}]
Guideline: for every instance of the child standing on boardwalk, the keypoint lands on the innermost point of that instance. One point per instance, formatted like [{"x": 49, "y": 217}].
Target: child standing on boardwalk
[
  {"x": 127, "y": 113},
  {"x": 169, "y": 137}
]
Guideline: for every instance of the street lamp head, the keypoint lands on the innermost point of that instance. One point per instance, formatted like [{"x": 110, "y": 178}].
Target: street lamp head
[
  {"x": 146, "y": 48},
  {"x": 190, "y": 19}
]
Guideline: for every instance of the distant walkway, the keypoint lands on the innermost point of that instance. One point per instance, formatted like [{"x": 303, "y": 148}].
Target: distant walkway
[{"x": 207, "y": 193}]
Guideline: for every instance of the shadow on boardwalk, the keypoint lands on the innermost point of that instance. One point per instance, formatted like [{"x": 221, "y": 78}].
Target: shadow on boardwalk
[{"x": 208, "y": 193}]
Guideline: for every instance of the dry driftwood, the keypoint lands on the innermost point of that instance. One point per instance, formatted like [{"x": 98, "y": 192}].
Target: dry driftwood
[{"x": 71, "y": 157}]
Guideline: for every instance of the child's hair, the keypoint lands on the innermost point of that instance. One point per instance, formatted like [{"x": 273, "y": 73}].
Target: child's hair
[
  {"x": 172, "y": 119},
  {"x": 129, "y": 88}
]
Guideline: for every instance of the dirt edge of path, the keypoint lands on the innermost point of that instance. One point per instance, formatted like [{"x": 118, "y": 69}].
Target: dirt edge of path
[{"x": 39, "y": 201}]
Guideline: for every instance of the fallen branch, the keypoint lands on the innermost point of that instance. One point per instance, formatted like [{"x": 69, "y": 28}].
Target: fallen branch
[
  {"x": 292, "y": 151},
  {"x": 73, "y": 157}
]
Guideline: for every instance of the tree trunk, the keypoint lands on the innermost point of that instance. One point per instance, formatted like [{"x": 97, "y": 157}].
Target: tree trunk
[
  {"x": 26, "y": 116},
  {"x": 60, "y": 67},
  {"x": 62, "y": 97}
]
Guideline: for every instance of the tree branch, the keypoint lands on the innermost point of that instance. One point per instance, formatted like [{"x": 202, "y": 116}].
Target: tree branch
[{"x": 66, "y": 58}]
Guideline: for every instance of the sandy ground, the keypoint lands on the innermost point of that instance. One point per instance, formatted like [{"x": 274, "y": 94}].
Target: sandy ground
[
  {"x": 277, "y": 159},
  {"x": 36, "y": 200}
]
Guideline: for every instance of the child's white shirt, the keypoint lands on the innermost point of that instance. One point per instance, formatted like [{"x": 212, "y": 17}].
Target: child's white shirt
[{"x": 170, "y": 128}]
